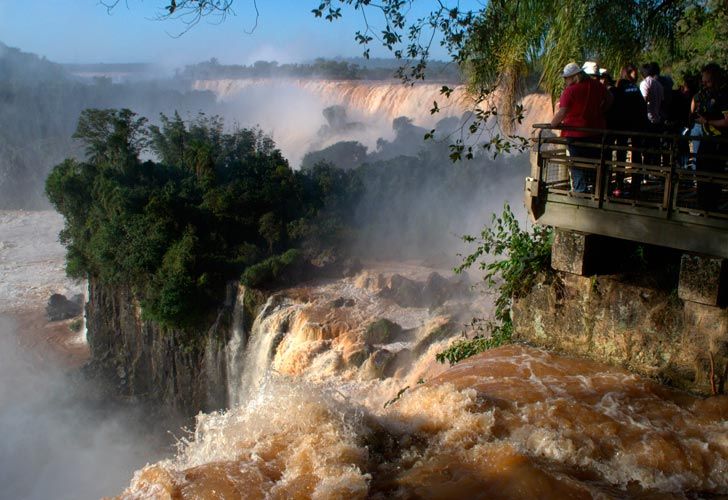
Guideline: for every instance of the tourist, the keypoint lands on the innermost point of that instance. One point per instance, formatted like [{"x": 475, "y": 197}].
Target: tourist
[
  {"x": 628, "y": 73},
  {"x": 653, "y": 94},
  {"x": 681, "y": 102},
  {"x": 591, "y": 69},
  {"x": 627, "y": 114},
  {"x": 710, "y": 106},
  {"x": 582, "y": 104}
]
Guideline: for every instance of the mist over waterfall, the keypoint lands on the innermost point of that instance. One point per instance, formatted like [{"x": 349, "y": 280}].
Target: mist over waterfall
[
  {"x": 291, "y": 110},
  {"x": 60, "y": 439}
]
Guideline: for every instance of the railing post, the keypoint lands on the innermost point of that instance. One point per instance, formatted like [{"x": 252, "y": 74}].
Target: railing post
[
  {"x": 670, "y": 193},
  {"x": 540, "y": 162},
  {"x": 600, "y": 174}
]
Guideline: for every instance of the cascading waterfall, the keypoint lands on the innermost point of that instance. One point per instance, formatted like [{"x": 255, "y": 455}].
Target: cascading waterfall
[
  {"x": 84, "y": 331},
  {"x": 375, "y": 104},
  {"x": 360, "y": 409},
  {"x": 249, "y": 373},
  {"x": 235, "y": 349},
  {"x": 389, "y": 99}
]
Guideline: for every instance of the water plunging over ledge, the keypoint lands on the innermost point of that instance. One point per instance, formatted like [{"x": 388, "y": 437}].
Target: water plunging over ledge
[{"x": 340, "y": 396}]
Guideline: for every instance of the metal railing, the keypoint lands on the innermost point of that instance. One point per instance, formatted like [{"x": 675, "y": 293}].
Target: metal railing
[{"x": 641, "y": 173}]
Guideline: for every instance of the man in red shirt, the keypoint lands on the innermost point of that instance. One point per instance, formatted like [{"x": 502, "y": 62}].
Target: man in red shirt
[{"x": 582, "y": 104}]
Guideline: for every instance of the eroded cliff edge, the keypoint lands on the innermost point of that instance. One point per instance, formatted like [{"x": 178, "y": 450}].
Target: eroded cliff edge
[
  {"x": 175, "y": 369},
  {"x": 667, "y": 321},
  {"x": 366, "y": 324}
]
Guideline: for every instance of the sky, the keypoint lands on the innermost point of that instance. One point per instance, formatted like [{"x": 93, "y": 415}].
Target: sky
[{"x": 83, "y": 31}]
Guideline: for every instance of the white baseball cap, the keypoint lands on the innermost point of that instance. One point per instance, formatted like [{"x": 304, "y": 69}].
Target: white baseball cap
[{"x": 590, "y": 68}]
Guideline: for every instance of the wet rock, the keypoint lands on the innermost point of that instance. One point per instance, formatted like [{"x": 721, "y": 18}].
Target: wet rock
[
  {"x": 438, "y": 289},
  {"x": 406, "y": 292},
  {"x": 351, "y": 266},
  {"x": 403, "y": 291},
  {"x": 355, "y": 355},
  {"x": 372, "y": 282},
  {"x": 377, "y": 365},
  {"x": 437, "y": 329},
  {"x": 381, "y": 331},
  {"x": 342, "y": 302},
  {"x": 60, "y": 308}
]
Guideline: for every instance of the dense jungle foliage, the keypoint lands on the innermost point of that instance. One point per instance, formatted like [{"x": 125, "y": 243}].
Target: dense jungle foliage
[
  {"x": 179, "y": 209},
  {"x": 209, "y": 207}
]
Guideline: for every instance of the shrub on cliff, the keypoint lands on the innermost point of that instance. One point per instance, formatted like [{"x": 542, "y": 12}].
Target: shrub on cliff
[
  {"x": 512, "y": 258},
  {"x": 212, "y": 205},
  {"x": 271, "y": 269}
]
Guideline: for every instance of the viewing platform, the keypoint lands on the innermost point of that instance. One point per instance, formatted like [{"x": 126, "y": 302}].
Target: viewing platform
[
  {"x": 642, "y": 187},
  {"x": 664, "y": 316}
]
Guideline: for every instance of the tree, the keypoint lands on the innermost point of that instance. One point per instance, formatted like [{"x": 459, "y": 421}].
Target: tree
[
  {"x": 271, "y": 229},
  {"x": 178, "y": 229},
  {"x": 702, "y": 37},
  {"x": 112, "y": 136}
]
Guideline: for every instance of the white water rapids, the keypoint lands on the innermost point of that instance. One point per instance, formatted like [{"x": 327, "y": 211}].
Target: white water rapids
[{"x": 339, "y": 396}]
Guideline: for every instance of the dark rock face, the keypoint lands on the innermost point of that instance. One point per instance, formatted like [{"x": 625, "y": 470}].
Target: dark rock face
[
  {"x": 435, "y": 291},
  {"x": 182, "y": 371},
  {"x": 703, "y": 279},
  {"x": 60, "y": 308}
]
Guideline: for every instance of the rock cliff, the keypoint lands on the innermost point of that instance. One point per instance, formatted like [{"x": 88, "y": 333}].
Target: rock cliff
[
  {"x": 146, "y": 362},
  {"x": 646, "y": 328},
  {"x": 324, "y": 326}
]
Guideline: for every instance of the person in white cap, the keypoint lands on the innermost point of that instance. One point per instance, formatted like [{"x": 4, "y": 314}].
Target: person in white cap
[
  {"x": 591, "y": 69},
  {"x": 582, "y": 104}
]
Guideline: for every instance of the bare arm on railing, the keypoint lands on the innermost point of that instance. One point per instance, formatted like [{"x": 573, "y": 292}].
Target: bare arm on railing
[{"x": 559, "y": 117}]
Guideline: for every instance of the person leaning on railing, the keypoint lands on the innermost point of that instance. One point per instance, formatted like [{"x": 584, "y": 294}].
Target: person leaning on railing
[
  {"x": 582, "y": 104},
  {"x": 710, "y": 108}
]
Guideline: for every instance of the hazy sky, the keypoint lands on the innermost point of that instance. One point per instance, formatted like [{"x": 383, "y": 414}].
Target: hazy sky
[{"x": 83, "y": 31}]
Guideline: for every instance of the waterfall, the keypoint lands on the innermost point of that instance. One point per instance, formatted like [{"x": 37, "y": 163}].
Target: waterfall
[
  {"x": 248, "y": 372},
  {"x": 235, "y": 349},
  {"x": 86, "y": 297},
  {"x": 373, "y": 98}
]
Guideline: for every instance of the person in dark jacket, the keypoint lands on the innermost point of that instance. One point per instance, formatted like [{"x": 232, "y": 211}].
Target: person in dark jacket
[
  {"x": 627, "y": 114},
  {"x": 710, "y": 107}
]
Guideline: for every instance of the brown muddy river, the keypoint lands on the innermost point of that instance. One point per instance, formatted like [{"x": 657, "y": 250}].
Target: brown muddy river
[{"x": 320, "y": 418}]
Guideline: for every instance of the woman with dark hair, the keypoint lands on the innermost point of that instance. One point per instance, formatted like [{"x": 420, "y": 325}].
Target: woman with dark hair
[
  {"x": 710, "y": 108},
  {"x": 629, "y": 73}
]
